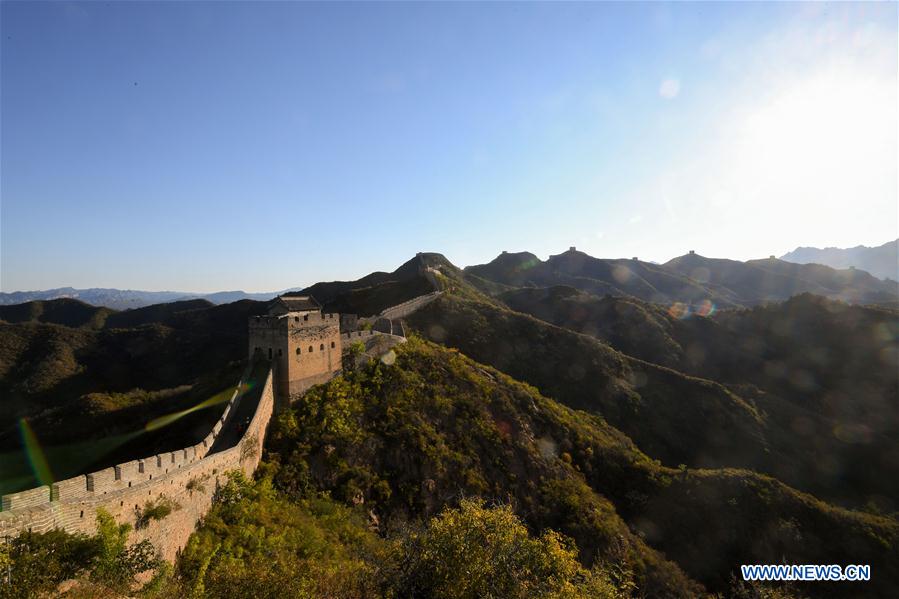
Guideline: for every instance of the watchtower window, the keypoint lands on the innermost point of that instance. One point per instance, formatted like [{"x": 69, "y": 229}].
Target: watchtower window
[
  {"x": 280, "y": 352},
  {"x": 332, "y": 345},
  {"x": 310, "y": 349},
  {"x": 321, "y": 347},
  {"x": 305, "y": 317},
  {"x": 296, "y": 319},
  {"x": 298, "y": 351}
]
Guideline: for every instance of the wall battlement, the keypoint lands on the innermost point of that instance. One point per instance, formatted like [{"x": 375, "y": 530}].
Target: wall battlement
[
  {"x": 364, "y": 335},
  {"x": 403, "y": 309},
  {"x": 408, "y": 307},
  {"x": 301, "y": 342},
  {"x": 308, "y": 345},
  {"x": 187, "y": 476}
]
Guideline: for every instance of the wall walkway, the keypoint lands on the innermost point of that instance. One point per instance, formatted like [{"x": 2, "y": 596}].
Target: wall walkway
[
  {"x": 408, "y": 307},
  {"x": 188, "y": 477}
]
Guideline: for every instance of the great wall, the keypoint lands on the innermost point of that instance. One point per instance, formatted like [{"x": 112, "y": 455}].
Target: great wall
[
  {"x": 187, "y": 478},
  {"x": 294, "y": 347}
]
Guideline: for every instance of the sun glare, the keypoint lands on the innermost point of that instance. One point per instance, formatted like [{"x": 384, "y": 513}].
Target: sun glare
[
  {"x": 793, "y": 164},
  {"x": 825, "y": 137}
]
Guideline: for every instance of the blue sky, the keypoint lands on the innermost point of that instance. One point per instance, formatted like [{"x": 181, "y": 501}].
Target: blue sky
[{"x": 258, "y": 146}]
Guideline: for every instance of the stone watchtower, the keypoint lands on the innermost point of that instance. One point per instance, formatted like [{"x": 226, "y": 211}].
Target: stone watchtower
[{"x": 302, "y": 343}]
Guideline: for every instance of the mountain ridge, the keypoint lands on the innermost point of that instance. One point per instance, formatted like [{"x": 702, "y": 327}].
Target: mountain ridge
[
  {"x": 689, "y": 279},
  {"x": 681, "y": 279},
  {"x": 881, "y": 261},
  {"x": 676, "y": 443},
  {"x": 124, "y": 299}
]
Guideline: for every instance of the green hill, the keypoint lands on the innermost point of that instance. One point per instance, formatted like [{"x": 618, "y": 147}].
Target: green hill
[
  {"x": 826, "y": 367},
  {"x": 679, "y": 413},
  {"x": 823, "y": 355},
  {"x": 157, "y": 313},
  {"x": 759, "y": 281},
  {"x": 689, "y": 279},
  {"x": 69, "y": 312},
  {"x": 669, "y": 444},
  {"x": 881, "y": 261},
  {"x": 374, "y": 292},
  {"x": 87, "y": 393},
  {"x": 644, "y": 280},
  {"x": 409, "y": 439}
]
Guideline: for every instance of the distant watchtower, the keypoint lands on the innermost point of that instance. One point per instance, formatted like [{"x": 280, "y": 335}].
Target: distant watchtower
[{"x": 302, "y": 343}]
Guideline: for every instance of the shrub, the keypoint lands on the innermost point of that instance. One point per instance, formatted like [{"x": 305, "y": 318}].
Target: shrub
[
  {"x": 477, "y": 551},
  {"x": 156, "y": 510},
  {"x": 38, "y": 562},
  {"x": 195, "y": 484},
  {"x": 117, "y": 563}
]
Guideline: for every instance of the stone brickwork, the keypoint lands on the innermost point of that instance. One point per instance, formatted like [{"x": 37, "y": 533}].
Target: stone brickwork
[
  {"x": 382, "y": 325},
  {"x": 29, "y": 498},
  {"x": 348, "y": 338},
  {"x": 188, "y": 477},
  {"x": 351, "y": 337},
  {"x": 303, "y": 346},
  {"x": 406, "y": 308},
  {"x": 349, "y": 322}
]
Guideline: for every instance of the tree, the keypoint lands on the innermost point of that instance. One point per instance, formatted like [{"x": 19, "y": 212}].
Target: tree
[
  {"x": 355, "y": 349},
  {"x": 40, "y": 561},
  {"x": 486, "y": 552},
  {"x": 117, "y": 563}
]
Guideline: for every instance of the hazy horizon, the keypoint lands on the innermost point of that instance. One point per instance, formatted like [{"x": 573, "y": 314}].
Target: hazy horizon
[
  {"x": 206, "y": 147},
  {"x": 385, "y": 268}
]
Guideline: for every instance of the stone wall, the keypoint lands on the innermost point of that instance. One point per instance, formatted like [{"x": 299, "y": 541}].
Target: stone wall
[
  {"x": 348, "y": 338},
  {"x": 313, "y": 350},
  {"x": 301, "y": 346},
  {"x": 188, "y": 476},
  {"x": 349, "y": 322},
  {"x": 408, "y": 307}
]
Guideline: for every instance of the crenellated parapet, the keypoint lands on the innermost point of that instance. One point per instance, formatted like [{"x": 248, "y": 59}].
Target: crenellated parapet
[
  {"x": 301, "y": 342},
  {"x": 187, "y": 476},
  {"x": 298, "y": 345},
  {"x": 408, "y": 307}
]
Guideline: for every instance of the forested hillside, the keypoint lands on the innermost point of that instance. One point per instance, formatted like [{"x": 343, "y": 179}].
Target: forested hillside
[
  {"x": 87, "y": 380},
  {"x": 614, "y": 447},
  {"x": 360, "y": 474}
]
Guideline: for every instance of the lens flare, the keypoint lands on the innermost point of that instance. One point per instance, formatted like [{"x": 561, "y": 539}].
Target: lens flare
[
  {"x": 679, "y": 310},
  {"x": 158, "y": 423},
  {"x": 705, "y": 308},
  {"x": 622, "y": 274},
  {"x": 36, "y": 456}
]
